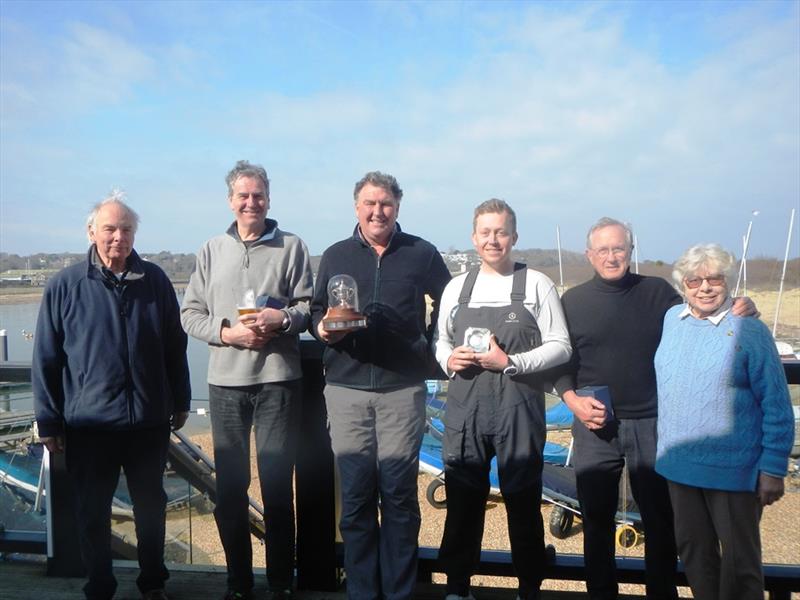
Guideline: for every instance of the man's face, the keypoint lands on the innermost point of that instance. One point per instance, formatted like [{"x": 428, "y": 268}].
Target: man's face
[
  {"x": 113, "y": 234},
  {"x": 610, "y": 254},
  {"x": 376, "y": 211},
  {"x": 493, "y": 239},
  {"x": 249, "y": 203}
]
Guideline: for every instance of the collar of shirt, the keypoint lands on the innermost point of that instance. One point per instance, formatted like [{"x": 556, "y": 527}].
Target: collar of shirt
[{"x": 715, "y": 318}]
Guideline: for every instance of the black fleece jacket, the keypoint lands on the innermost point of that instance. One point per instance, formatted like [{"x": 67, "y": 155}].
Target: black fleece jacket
[{"x": 394, "y": 349}]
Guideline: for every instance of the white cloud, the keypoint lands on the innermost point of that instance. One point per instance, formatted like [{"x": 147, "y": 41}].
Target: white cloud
[{"x": 556, "y": 111}]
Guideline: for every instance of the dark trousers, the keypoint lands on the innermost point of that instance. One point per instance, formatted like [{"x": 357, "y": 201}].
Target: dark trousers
[
  {"x": 599, "y": 457},
  {"x": 719, "y": 542},
  {"x": 93, "y": 460},
  {"x": 273, "y": 411},
  {"x": 468, "y": 456}
]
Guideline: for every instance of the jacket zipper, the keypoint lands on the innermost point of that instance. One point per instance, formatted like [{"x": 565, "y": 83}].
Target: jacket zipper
[
  {"x": 119, "y": 290},
  {"x": 372, "y": 374}
]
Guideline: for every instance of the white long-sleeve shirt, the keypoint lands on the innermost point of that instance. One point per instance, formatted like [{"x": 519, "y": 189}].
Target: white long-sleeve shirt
[{"x": 541, "y": 299}]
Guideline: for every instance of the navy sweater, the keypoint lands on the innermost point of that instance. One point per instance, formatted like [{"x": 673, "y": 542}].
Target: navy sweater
[
  {"x": 109, "y": 354},
  {"x": 393, "y": 351}
]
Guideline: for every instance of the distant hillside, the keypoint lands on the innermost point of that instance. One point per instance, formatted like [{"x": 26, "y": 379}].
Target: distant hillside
[{"x": 762, "y": 273}]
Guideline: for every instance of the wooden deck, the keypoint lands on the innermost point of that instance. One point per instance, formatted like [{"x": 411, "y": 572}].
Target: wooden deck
[{"x": 28, "y": 580}]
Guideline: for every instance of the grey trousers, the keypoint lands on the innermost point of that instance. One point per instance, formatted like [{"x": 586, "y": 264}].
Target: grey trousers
[
  {"x": 719, "y": 542},
  {"x": 376, "y": 437}
]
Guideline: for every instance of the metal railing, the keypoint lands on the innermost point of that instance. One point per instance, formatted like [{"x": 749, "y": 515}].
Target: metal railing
[{"x": 318, "y": 553}]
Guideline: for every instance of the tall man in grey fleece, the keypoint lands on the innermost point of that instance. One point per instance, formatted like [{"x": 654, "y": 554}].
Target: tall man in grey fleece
[{"x": 253, "y": 373}]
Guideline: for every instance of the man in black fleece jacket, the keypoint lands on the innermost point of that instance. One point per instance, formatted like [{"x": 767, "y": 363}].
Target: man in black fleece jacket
[
  {"x": 375, "y": 388},
  {"x": 615, "y": 322}
]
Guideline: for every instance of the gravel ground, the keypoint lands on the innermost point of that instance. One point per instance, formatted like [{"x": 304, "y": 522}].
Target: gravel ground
[{"x": 780, "y": 541}]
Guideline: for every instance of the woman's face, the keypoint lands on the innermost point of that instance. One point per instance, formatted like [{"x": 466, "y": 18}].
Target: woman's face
[{"x": 706, "y": 290}]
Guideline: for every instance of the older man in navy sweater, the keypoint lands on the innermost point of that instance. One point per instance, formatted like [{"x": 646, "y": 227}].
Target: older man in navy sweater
[{"x": 110, "y": 378}]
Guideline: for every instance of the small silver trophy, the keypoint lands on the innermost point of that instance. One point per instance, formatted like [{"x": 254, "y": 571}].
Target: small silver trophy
[
  {"x": 477, "y": 338},
  {"x": 343, "y": 312}
]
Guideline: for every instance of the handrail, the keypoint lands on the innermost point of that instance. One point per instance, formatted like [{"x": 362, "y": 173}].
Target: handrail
[{"x": 317, "y": 549}]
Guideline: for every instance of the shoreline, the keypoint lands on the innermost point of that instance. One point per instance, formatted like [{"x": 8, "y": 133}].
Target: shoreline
[{"x": 766, "y": 300}]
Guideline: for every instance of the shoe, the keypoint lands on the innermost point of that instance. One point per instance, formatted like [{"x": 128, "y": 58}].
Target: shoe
[
  {"x": 279, "y": 595},
  {"x": 158, "y": 594},
  {"x": 234, "y": 595}
]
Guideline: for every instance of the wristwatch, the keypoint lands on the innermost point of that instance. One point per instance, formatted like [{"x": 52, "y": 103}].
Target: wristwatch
[
  {"x": 287, "y": 321},
  {"x": 510, "y": 369}
]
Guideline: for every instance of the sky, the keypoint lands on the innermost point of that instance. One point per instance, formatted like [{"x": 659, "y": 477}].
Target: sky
[{"x": 682, "y": 118}]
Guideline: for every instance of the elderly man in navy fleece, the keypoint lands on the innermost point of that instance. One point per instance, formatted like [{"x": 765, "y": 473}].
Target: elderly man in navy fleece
[{"x": 110, "y": 377}]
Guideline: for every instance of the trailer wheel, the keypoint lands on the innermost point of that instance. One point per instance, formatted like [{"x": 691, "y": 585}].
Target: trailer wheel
[
  {"x": 627, "y": 536},
  {"x": 561, "y": 522},
  {"x": 436, "y": 501}
]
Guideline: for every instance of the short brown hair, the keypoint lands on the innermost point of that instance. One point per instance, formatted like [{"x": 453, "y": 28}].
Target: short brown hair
[
  {"x": 381, "y": 180},
  {"x": 493, "y": 205}
]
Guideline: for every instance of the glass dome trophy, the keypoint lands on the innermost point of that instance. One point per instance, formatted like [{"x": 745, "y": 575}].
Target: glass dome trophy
[{"x": 343, "y": 312}]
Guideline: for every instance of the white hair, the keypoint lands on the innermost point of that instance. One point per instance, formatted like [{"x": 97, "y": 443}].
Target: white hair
[
  {"x": 711, "y": 256},
  {"x": 118, "y": 197},
  {"x": 609, "y": 222}
]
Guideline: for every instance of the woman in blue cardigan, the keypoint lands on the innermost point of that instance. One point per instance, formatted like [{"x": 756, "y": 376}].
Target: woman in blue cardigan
[{"x": 725, "y": 428}]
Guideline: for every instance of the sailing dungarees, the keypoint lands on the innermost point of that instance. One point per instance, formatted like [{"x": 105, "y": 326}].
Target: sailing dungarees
[{"x": 491, "y": 414}]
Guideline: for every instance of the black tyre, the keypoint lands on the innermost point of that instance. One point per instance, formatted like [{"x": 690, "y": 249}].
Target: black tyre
[
  {"x": 561, "y": 522},
  {"x": 435, "y": 494}
]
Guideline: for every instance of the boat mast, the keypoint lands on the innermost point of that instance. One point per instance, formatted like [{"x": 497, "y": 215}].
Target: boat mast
[
  {"x": 743, "y": 262},
  {"x": 560, "y": 268},
  {"x": 783, "y": 274}
]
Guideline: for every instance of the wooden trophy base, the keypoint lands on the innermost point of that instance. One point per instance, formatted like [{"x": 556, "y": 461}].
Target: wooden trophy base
[{"x": 343, "y": 319}]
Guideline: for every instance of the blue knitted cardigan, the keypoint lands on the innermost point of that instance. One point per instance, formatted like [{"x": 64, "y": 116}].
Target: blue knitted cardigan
[{"x": 724, "y": 411}]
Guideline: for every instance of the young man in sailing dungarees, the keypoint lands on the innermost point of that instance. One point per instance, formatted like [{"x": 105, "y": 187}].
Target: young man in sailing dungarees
[{"x": 495, "y": 401}]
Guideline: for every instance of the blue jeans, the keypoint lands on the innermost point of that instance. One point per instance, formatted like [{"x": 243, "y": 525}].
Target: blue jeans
[
  {"x": 273, "y": 410},
  {"x": 94, "y": 458}
]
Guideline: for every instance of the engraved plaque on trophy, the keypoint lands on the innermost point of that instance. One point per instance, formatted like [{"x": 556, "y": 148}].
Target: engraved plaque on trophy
[{"x": 343, "y": 312}]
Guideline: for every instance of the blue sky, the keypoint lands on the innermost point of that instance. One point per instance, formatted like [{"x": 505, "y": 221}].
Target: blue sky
[{"x": 679, "y": 117}]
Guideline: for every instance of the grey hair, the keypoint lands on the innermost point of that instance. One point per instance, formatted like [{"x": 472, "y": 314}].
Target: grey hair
[
  {"x": 493, "y": 205},
  {"x": 381, "y": 180},
  {"x": 609, "y": 222},
  {"x": 246, "y": 169},
  {"x": 711, "y": 256},
  {"x": 115, "y": 196}
]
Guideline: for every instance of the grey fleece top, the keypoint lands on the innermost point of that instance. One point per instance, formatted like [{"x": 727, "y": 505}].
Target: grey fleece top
[{"x": 277, "y": 265}]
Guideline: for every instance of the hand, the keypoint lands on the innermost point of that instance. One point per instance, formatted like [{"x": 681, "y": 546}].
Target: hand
[
  {"x": 54, "y": 444},
  {"x": 242, "y": 336},
  {"x": 463, "y": 357},
  {"x": 330, "y": 337},
  {"x": 744, "y": 307},
  {"x": 178, "y": 420},
  {"x": 263, "y": 321},
  {"x": 769, "y": 488},
  {"x": 589, "y": 411},
  {"x": 493, "y": 359}
]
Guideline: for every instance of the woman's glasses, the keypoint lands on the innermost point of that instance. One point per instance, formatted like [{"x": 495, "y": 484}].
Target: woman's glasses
[{"x": 695, "y": 282}]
